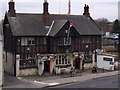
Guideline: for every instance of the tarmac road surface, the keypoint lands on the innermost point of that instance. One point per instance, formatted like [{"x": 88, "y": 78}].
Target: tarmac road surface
[{"x": 106, "y": 82}]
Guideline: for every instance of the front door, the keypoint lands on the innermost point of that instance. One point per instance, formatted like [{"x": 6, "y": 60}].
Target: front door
[
  {"x": 77, "y": 63},
  {"x": 47, "y": 66}
]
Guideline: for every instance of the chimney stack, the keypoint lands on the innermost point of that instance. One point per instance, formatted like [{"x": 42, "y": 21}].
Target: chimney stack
[
  {"x": 46, "y": 16},
  {"x": 86, "y": 10},
  {"x": 12, "y": 8}
]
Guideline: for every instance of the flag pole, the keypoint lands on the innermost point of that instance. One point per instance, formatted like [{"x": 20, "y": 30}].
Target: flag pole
[
  {"x": 68, "y": 35},
  {"x": 71, "y": 23},
  {"x": 69, "y": 7}
]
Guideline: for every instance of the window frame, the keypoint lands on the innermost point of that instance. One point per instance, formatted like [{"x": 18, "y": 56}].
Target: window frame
[
  {"x": 65, "y": 41},
  {"x": 107, "y": 59},
  {"x": 63, "y": 60},
  {"x": 27, "y": 41}
]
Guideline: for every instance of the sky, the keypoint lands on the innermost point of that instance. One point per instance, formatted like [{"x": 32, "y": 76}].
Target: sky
[{"x": 98, "y": 8}]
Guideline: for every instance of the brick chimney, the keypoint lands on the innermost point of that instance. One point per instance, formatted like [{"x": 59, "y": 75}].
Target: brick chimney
[
  {"x": 12, "y": 8},
  {"x": 86, "y": 10},
  {"x": 46, "y": 16}
]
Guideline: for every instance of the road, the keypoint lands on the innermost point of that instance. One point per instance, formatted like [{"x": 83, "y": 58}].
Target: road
[
  {"x": 106, "y": 82},
  {"x": 14, "y": 82}
]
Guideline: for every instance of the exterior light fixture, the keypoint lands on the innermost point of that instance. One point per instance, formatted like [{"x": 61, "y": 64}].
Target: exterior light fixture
[
  {"x": 86, "y": 46},
  {"x": 28, "y": 49}
]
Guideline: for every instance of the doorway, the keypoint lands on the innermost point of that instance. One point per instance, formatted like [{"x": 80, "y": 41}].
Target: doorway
[
  {"x": 77, "y": 63},
  {"x": 46, "y": 66}
]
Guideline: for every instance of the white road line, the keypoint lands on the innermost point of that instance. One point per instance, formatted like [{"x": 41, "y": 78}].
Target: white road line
[
  {"x": 54, "y": 83},
  {"x": 39, "y": 82}
]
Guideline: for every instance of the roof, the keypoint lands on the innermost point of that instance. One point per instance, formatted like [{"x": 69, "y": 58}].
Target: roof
[
  {"x": 32, "y": 24},
  {"x": 55, "y": 27},
  {"x": 84, "y": 25},
  {"x": 27, "y": 25}
]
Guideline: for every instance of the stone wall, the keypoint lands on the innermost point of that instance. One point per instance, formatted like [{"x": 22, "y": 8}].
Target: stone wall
[
  {"x": 27, "y": 72},
  {"x": 88, "y": 65},
  {"x": 8, "y": 63}
]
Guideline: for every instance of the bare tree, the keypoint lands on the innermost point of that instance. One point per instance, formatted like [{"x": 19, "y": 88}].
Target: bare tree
[{"x": 104, "y": 24}]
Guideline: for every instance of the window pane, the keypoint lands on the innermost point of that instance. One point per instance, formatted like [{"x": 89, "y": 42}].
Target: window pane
[
  {"x": 29, "y": 42},
  {"x": 62, "y": 60},
  {"x": 107, "y": 59},
  {"x": 33, "y": 42},
  {"x": 65, "y": 61},
  {"x": 56, "y": 61},
  {"x": 22, "y": 41},
  {"x": 59, "y": 59},
  {"x": 25, "y": 41}
]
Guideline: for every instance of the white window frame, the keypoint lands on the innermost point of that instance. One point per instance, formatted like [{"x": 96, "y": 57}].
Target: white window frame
[
  {"x": 25, "y": 41},
  {"x": 31, "y": 39},
  {"x": 65, "y": 41},
  {"x": 61, "y": 60}
]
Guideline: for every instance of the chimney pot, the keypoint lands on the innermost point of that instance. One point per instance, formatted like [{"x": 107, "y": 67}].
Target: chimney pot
[
  {"x": 11, "y": 1},
  {"x": 45, "y": 0},
  {"x": 86, "y": 10}
]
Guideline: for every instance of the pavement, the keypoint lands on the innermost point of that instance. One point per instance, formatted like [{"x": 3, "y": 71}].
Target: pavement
[{"x": 55, "y": 80}]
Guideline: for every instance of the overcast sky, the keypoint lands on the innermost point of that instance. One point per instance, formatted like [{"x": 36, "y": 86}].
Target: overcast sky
[{"x": 98, "y": 8}]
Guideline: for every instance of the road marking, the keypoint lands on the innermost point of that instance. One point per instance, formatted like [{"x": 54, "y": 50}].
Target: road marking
[
  {"x": 39, "y": 82},
  {"x": 54, "y": 83},
  {"x": 101, "y": 84}
]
